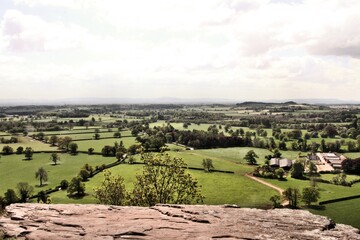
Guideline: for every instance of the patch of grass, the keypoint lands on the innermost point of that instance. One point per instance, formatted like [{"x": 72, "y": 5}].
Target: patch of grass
[
  {"x": 29, "y": 142},
  {"x": 14, "y": 169},
  {"x": 99, "y": 144},
  {"x": 342, "y": 212}
]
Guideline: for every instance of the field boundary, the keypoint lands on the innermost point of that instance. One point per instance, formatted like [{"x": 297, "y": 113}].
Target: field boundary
[{"x": 339, "y": 200}]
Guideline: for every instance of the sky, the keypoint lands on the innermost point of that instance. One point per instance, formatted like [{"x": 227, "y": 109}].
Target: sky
[{"x": 232, "y": 49}]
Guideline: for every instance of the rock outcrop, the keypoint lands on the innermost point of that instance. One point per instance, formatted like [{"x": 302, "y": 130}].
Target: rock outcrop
[{"x": 41, "y": 221}]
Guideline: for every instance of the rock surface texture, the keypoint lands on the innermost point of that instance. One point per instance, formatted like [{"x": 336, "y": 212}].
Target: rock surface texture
[{"x": 40, "y": 221}]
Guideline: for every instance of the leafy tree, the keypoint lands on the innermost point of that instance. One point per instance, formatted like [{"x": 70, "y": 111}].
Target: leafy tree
[
  {"x": 10, "y": 196},
  {"x": 7, "y": 150},
  {"x": 42, "y": 197},
  {"x": 25, "y": 190},
  {"x": 53, "y": 140},
  {"x": 164, "y": 181},
  {"x": 340, "y": 179},
  {"x": 84, "y": 174},
  {"x": 64, "y": 184},
  {"x": 310, "y": 195},
  {"x": 19, "y": 150},
  {"x": 312, "y": 169},
  {"x": 117, "y": 135},
  {"x": 28, "y": 153},
  {"x": 42, "y": 175},
  {"x": 280, "y": 173},
  {"x": 297, "y": 170},
  {"x": 76, "y": 187},
  {"x": 292, "y": 195},
  {"x": 73, "y": 148},
  {"x": 54, "y": 157},
  {"x": 2, "y": 204},
  {"x": 91, "y": 151},
  {"x": 276, "y": 201},
  {"x": 96, "y": 136},
  {"x": 250, "y": 157},
  {"x": 112, "y": 190},
  {"x": 207, "y": 164}
]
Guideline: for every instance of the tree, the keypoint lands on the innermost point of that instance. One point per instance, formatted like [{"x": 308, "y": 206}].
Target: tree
[
  {"x": 164, "y": 180},
  {"x": 42, "y": 175},
  {"x": 73, "y": 148},
  {"x": 297, "y": 170},
  {"x": 280, "y": 173},
  {"x": 84, "y": 174},
  {"x": 90, "y": 151},
  {"x": 312, "y": 169},
  {"x": 10, "y": 196},
  {"x": 19, "y": 150},
  {"x": 76, "y": 187},
  {"x": 309, "y": 195},
  {"x": 96, "y": 136},
  {"x": 207, "y": 164},
  {"x": 28, "y": 153},
  {"x": 117, "y": 135},
  {"x": 112, "y": 190},
  {"x": 53, "y": 140},
  {"x": 276, "y": 201},
  {"x": 64, "y": 184},
  {"x": 42, "y": 197},
  {"x": 7, "y": 150},
  {"x": 292, "y": 195},
  {"x": 250, "y": 157},
  {"x": 25, "y": 190},
  {"x": 54, "y": 157}
]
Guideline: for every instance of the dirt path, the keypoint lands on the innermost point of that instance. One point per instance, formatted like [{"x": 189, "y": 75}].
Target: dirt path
[{"x": 280, "y": 190}]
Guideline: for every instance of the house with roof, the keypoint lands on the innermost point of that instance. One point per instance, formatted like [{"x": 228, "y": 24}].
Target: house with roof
[{"x": 281, "y": 162}]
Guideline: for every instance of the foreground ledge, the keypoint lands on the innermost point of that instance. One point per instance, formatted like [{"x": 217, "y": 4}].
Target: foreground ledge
[{"x": 69, "y": 221}]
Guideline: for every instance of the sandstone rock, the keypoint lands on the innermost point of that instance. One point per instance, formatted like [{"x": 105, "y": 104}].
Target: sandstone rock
[{"x": 41, "y": 221}]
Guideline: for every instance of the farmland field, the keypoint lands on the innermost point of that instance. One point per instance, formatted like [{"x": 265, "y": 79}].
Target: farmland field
[
  {"x": 14, "y": 169},
  {"x": 342, "y": 212}
]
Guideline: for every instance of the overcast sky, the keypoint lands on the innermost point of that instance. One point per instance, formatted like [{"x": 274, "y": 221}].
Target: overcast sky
[{"x": 235, "y": 49}]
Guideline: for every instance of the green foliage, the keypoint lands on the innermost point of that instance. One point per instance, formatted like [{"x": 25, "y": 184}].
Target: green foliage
[
  {"x": 7, "y": 150},
  {"x": 280, "y": 173},
  {"x": 112, "y": 190},
  {"x": 73, "y": 148},
  {"x": 42, "y": 175},
  {"x": 312, "y": 169},
  {"x": 76, "y": 187},
  {"x": 64, "y": 184},
  {"x": 164, "y": 180},
  {"x": 28, "y": 153},
  {"x": 19, "y": 150},
  {"x": 297, "y": 170},
  {"x": 250, "y": 157},
  {"x": 25, "y": 190},
  {"x": 84, "y": 174},
  {"x": 310, "y": 195},
  {"x": 10, "y": 196},
  {"x": 208, "y": 164},
  {"x": 54, "y": 157},
  {"x": 275, "y": 199},
  {"x": 340, "y": 179},
  {"x": 292, "y": 195}
]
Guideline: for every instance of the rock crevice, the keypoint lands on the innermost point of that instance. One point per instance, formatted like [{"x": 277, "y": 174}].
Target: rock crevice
[{"x": 40, "y": 221}]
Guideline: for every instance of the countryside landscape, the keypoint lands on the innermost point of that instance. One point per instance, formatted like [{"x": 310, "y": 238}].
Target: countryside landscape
[
  {"x": 206, "y": 119},
  {"x": 90, "y": 140}
]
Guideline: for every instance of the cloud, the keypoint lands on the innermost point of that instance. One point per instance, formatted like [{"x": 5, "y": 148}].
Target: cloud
[
  {"x": 27, "y": 33},
  {"x": 231, "y": 48}
]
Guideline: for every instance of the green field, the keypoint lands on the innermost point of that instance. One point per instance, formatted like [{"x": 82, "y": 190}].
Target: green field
[
  {"x": 14, "y": 169},
  {"x": 29, "y": 142},
  {"x": 345, "y": 212},
  {"x": 99, "y": 144},
  {"x": 235, "y": 189}
]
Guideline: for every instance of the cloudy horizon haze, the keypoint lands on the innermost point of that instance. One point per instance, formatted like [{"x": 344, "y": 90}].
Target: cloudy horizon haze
[{"x": 211, "y": 49}]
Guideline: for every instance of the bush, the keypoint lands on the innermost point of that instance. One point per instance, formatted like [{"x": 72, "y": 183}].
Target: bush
[{"x": 64, "y": 184}]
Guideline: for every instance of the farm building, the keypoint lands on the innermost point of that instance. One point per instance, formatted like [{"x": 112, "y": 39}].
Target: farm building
[
  {"x": 332, "y": 159},
  {"x": 281, "y": 162}
]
